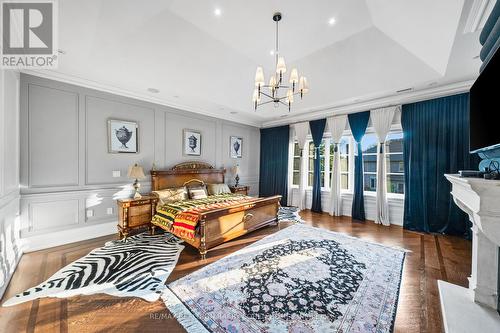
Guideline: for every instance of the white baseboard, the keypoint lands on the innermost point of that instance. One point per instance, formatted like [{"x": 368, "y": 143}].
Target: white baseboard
[
  {"x": 53, "y": 239},
  {"x": 9, "y": 277}
]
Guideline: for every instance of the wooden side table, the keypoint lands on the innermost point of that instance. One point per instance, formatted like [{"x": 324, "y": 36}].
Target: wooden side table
[
  {"x": 135, "y": 213},
  {"x": 240, "y": 189}
]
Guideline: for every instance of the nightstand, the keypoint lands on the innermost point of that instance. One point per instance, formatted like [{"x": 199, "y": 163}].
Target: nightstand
[
  {"x": 135, "y": 213},
  {"x": 240, "y": 189}
]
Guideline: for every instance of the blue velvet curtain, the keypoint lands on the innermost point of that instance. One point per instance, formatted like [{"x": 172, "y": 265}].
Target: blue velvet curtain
[
  {"x": 317, "y": 128},
  {"x": 274, "y": 144},
  {"x": 436, "y": 141},
  {"x": 358, "y": 123}
]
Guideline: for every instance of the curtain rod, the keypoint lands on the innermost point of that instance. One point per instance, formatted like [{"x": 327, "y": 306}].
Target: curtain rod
[{"x": 302, "y": 121}]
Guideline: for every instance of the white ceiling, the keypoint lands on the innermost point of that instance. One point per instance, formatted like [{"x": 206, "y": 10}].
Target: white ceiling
[{"x": 206, "y": 63}]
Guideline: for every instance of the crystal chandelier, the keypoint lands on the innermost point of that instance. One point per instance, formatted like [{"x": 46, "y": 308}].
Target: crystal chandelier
[{"x": 276, "y": 81}]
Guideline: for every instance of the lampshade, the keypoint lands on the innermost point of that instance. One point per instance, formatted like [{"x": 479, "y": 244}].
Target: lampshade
[
  {"x": 259, "y": 77},
  {"x": 289, "y": 96},
  {"x": 303, "y": 86},
  {"x": 280, "y": 66},
  {"x": 294, "y": 76},
  {"x": 136, "y": 172},
  {"x": 236, "y": 169}
]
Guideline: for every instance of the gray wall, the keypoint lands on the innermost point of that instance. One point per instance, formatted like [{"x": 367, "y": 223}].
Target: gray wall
[
  {"x": 66, "y": 169},
  {"x": 10, "y": 250}
]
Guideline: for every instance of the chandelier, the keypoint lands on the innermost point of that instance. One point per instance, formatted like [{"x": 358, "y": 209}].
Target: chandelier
[{"x": 276, "y": 81}]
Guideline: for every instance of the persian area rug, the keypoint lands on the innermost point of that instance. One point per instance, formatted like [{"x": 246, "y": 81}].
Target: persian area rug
[
  {"x": 138, "y": 267},
  {"x": 289, "y": 214},
  {"x": 300, "y": 279}
]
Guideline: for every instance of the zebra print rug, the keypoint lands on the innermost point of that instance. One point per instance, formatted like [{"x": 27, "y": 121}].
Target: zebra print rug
[
  {"x": 289, "y": 214},
  {"x": 138, "y": 267}
]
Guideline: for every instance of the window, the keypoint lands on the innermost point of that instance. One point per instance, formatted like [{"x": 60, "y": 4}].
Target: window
[
  {"x": 344, "y": 162},
  {"x": 296, "y": 164},
  {"x": 369, "y": 144},
  {"x": 321, "y": 162},
  {"x": 395, "y": 163}
]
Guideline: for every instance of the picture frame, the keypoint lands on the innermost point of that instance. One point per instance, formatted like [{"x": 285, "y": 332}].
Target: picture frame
[
  {"x": 235, "y": 147},
  {"x": 191, "y": 141},
  {"x": 123, "y": 136}
]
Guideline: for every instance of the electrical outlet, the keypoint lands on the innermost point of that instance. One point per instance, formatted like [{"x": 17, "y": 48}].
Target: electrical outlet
[
  {"x": 90, "y": 213},
  {"x": 110, "y": 211},
  {"x": 117, "y": 174}
]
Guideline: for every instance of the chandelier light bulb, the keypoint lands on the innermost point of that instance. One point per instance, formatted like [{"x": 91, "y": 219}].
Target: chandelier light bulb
[
  {"x": 294, "y": 76},
  {"x": 289, "y": 96},
  {"x": 280, "y": 66},
  {"x": 256, "y": 96},
  {"x": 272, "y": 82}
]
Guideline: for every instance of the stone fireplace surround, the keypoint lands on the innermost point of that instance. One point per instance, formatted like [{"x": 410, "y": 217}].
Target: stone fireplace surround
[{"x": 474, "y": 309}]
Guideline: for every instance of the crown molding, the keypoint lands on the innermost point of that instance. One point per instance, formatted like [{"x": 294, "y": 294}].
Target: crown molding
[
  {"x": 478, "y": 14},
  {"x": 396, "y": 99},
  {"x": 75, "y": 80}
]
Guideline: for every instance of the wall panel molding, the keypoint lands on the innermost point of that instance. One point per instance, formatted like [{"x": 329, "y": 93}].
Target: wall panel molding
[{"x": 93, "y": 188}]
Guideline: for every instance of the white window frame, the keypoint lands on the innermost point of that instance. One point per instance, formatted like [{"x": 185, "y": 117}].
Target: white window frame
[{"x": 395, "y": 129}]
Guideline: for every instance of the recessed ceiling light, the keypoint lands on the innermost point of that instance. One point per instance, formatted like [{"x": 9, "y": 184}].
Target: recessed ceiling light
[
  {"x": 61, "y": 51},
  {"x": 271, "y": 52},
  {"x": 176, "y": 96},
  {"x": 233, "y": 112},
  {"x": 153, "y": 90},
  {"x": 331, "y": 21},
  {"x": 476, "y": 57},
  {"x": 217, "y": 12}
]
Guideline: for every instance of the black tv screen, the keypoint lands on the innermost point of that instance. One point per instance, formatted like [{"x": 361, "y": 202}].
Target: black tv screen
[{"x": 485, "y": 107}]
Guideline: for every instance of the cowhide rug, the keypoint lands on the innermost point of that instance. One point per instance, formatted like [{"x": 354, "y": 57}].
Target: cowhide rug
[{"x": 137, "y": 267}]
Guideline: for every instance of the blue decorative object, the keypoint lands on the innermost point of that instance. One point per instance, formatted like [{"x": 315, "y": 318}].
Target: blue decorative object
[
  {"x": 317, "y": 128},
  {"x": 358, "y": 123}
]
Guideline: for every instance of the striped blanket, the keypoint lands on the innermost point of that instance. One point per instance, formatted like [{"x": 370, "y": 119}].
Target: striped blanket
[{"x": 181, "y": 217}]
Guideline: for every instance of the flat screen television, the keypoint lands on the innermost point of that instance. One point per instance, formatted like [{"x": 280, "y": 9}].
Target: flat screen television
[{"x": 485, "y": 108}]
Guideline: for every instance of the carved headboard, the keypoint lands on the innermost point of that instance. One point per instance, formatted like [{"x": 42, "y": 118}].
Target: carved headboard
[{"x": 182, "y": 173}]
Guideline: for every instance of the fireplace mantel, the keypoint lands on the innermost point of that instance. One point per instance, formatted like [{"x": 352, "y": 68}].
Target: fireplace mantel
[{"x": 467, "y": 310}]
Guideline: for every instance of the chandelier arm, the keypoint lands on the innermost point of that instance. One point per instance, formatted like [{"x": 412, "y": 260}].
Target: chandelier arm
[
  {"x": 271, "y": 101},
  {"x": 284, "y": 103},
  {"x": 263, "y": 93}
]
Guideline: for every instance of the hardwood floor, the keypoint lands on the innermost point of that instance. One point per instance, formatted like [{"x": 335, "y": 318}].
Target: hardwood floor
[{"x": 431, "y": 257}]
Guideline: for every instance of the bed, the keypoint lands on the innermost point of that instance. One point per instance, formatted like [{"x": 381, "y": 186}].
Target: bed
[{"x": 218, "y": 225}]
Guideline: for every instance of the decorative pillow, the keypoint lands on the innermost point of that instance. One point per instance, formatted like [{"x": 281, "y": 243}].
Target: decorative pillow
[
  {"x": 197, "y": 192},
  {"x": 170, "y": 195},
  {"x": 214, "y": 189}
]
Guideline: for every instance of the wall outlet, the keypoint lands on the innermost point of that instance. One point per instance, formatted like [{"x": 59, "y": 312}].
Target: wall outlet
[
  {"x": 109, "y": 211},
  {"x": 117, "y": 174},
  {"x": 90, "y": 213}
]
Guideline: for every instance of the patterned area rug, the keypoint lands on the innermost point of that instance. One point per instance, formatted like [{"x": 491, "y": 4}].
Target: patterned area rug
[
  {"x": 289, "y": 214},
  {"x": 300, "y": 279},
  {"x": 138, "y": 267}
]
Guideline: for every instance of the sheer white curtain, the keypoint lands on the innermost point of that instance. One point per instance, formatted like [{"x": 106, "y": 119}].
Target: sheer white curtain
[
  {"x": 301, "y": 131},
  {"x": 336, "y": 126},
  {"x": 381, "y": 122}
]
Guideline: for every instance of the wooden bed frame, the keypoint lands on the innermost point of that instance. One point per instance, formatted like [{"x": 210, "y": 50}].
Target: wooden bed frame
[{"x": 219, "y": 225}]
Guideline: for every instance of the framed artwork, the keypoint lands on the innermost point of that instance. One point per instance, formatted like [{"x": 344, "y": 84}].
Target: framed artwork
[
  {"x": 235, "y": 146},
  {"x": 123, "y": 136},
  {"x": 192, "y": 142}
]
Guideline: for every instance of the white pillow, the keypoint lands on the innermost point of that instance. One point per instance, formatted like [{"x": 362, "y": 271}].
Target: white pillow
[
  {"x": 197, "y": 193},
  {"x": 170, "y": 195},
  {"x": 214, "y": 189}
]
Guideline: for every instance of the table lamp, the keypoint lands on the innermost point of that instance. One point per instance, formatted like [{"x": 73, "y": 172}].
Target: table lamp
[{"x": 136, "y": 172}]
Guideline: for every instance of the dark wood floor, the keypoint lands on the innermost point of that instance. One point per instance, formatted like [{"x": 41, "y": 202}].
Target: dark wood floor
[{"x": 431, "y": 258}]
